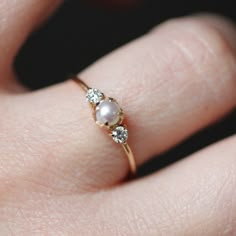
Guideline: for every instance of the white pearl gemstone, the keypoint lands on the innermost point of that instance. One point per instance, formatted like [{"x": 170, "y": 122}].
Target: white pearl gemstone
[{"x": 108, "y": 112}]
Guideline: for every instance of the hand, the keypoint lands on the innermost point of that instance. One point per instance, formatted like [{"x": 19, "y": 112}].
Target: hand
[{"x": 60, "y": 174}]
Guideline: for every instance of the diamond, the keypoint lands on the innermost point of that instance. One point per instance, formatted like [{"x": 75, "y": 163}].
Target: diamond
[
  {"x": 120, "y": 134},
  {"x": 94, "y": 96}
]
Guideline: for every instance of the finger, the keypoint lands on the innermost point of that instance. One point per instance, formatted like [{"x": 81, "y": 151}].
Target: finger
[
  {"x": 195, "y": 196},
  {"x": 170, "y": 83},
  {"x": 17, "y": 20}
]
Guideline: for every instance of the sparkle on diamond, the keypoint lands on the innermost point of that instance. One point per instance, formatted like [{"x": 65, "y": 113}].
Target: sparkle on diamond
[
  {"x": 120, "y": 134},
  {"x": 94, "y": 96}
]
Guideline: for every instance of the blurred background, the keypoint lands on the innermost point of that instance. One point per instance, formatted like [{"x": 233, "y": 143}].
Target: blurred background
[{"x": 83, "y": 31}]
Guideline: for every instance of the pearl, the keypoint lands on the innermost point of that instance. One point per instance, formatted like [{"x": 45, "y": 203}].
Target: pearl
[{"x": 108, "y": 112}]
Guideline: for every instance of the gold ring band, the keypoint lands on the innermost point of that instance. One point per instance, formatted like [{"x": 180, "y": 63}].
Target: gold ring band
[{"x": 107, "y": 113}]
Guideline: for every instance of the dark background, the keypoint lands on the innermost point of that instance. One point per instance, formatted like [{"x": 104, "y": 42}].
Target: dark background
[{"x": 81, "y": 32}]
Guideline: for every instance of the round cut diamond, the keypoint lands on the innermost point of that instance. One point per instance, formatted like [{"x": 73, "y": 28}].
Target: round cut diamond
[
  {"x": 120, "y": 134},
  {"x": 94, "y": 96}
]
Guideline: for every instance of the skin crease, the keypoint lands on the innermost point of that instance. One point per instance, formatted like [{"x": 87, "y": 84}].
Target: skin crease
[{"x": 53, "y": 182}]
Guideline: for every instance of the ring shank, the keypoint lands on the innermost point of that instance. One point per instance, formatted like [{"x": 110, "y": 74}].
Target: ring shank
[
  {"x": 83, "y": 85},
  {"x": 130, "y": 157},
  {"x": 126, "y": 147}
]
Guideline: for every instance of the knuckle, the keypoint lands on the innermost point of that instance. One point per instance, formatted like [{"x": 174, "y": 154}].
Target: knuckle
[
  {"x": 204, "y": 51},
  {"x": 202, "y": 34}
]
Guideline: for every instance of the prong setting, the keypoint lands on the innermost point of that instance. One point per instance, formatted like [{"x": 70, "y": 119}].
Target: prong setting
[
  {"x": 120, "y": 134},
  {"x": 107, "y": 113},
  {"x": 117, "y": 130},
  {"x": 94, "y": 96}
]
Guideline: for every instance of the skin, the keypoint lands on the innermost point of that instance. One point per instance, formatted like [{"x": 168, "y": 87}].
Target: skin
[{"x": 61, "y": 175}]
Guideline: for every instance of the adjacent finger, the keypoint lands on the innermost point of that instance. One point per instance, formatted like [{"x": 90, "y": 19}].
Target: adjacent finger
[
  {"x": 195, "y": 197},
  {"x": 171, "y": 83},
  {"x": 17, "y": 20}
]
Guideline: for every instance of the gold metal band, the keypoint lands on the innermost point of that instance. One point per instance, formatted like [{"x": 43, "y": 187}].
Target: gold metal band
[
  {"x": 130, "y": 156},
  {"x": 112, "y": 128}
]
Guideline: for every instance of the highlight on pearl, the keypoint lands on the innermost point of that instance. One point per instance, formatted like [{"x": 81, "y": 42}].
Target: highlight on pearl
[{"x": 108, "y": 113}]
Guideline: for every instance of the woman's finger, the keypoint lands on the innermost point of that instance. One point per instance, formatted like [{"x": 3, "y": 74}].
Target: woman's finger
[
  {"x": 17, "y": 20},
  {"x": 172, "y": 82},
  {"x": 196, "y": 196}
]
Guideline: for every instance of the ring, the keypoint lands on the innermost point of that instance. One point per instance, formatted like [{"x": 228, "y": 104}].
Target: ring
[{"x": 108, "y": 114}]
